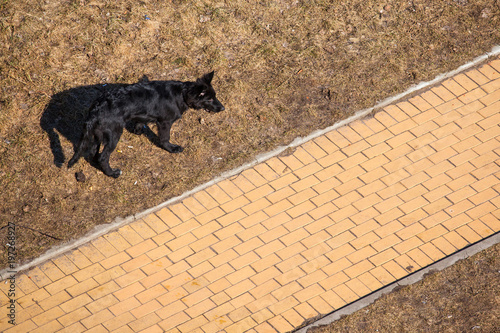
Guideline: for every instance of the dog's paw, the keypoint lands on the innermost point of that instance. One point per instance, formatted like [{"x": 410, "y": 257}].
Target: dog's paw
[
  {"x": 174, "y": 149},
  {"x": 115, "y": 173},
  {"x": 178, "y": 149}
]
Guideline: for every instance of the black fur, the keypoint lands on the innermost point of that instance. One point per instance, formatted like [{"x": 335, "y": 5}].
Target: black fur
[{"x": 162, "y": 102}]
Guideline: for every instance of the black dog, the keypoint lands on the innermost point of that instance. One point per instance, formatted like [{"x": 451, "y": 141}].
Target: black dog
[{"x": 162, "y": 102}]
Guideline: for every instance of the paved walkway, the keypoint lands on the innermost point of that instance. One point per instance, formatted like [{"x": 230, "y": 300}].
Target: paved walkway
[{"x": 295, "y": 236}]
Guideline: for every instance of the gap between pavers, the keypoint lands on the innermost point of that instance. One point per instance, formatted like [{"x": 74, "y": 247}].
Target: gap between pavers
[
  {"x": 119, "y": 222},
  {"x": 410, "y": 279}
]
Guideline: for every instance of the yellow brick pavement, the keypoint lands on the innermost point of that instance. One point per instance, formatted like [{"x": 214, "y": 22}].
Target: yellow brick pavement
[{"x": 296, "y": 236}]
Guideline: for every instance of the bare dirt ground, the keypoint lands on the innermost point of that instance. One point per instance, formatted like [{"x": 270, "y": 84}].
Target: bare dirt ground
[
  {"x": 464, "y": 297},
  {"x": 283, "y": 69}
]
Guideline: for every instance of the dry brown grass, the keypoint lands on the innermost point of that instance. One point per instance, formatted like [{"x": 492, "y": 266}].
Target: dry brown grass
[{"x": 283, "y": 69}]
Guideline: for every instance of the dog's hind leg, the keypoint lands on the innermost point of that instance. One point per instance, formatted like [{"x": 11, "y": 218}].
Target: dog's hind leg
[
  {"x": 110, "y": 140},
  {"x": 96, "y": 145},
  {"x": 83, "y": 145},
  {"x": 76, "y": 155}
]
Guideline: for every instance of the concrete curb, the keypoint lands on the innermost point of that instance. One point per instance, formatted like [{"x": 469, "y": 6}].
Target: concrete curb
[
  {"x": 106, "y": 228},
  {"x": 410, "y": 279}
]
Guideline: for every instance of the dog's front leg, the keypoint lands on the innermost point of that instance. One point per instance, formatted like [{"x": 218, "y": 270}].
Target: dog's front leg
[{"x": 164, "y": 135}]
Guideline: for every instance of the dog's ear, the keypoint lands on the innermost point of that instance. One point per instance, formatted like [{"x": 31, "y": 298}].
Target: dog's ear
[{"x": 207, "y": 78}]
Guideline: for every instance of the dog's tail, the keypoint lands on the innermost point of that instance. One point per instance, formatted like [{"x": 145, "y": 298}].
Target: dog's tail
[{"x": 85, "y": 143}]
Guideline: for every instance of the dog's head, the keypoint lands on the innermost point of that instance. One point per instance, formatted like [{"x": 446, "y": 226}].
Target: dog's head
[{"x": 201, "y": 95}]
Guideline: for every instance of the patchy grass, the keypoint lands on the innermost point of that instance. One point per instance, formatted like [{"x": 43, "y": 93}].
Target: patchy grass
[
  {"x": 283, "y": 69},
  {"x": 461, "y": 298}
]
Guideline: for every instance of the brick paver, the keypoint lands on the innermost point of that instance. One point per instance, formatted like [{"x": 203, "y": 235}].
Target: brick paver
[{"x": 296, "y": 236}]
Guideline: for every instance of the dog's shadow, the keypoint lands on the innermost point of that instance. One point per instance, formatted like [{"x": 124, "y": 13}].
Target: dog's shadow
[{"x": 66, "y": 113}]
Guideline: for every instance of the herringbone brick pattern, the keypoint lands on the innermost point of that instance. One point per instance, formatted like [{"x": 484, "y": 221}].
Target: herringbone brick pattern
[{"x": 295, "y": 236}]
